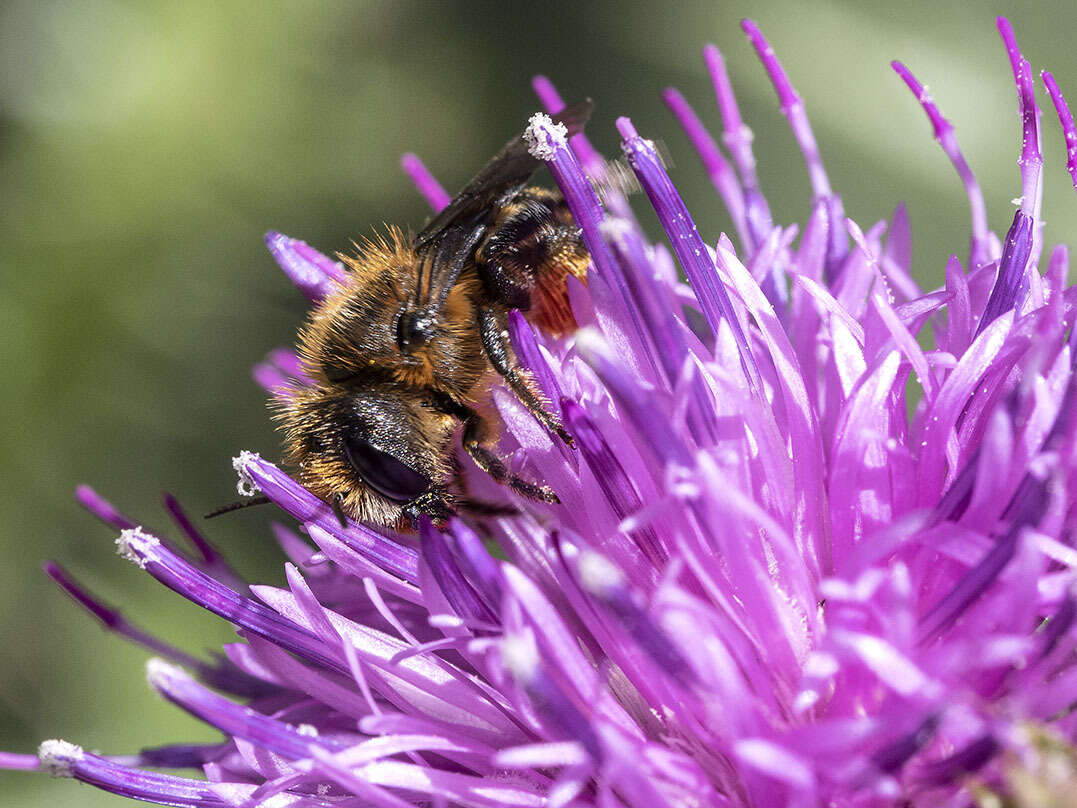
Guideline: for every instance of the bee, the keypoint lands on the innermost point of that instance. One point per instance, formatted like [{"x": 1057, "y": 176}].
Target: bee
[{"x": 403, "y": 356}]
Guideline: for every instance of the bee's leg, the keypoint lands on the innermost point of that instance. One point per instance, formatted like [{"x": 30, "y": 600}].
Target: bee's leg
[
  {"x": 495, "y": 341},
  {"x": 464, "y": 500},
  {"x": 435, "y": 503},
  {"x": 476, "y": 507},
  {"x": 493, "y": 465}
]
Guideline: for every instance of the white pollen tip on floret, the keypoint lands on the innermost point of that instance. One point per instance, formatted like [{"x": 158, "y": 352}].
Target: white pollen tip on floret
[
  {"x": 58, "y": 758},
  {"x": 246, "y": 486},
  {"x": 520, "y": 656},
  {"x": 136, "y": 545},
  {"x": 309, "y": 730},
  {"x": 544, "y": 137},
  {"x": 160, "y": 671},
  {"x": 598, "y": 574}
]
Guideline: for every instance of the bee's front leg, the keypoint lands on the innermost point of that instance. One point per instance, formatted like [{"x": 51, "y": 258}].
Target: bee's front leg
[{"x": 493, "y": 465}]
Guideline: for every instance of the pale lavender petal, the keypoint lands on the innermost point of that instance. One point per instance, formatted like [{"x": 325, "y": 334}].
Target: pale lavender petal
[
  {"x": 220, "y": 676},
  {"x": 667, "y": 342},
  {"x": 957, "y": 766},
  {"x": 463, "y": 598},
  {"x": 736, "y": 136},
  {"x": 68, "y": 760},
  {"x": 428, "y": 683},
  {"x": 897, "y": 258},
  {"x": 102, "y": 508},
  {"x": 1065, "y": 118},
  {"x": 1024, "y": 510},
  {"x": 792, "y": 107},
  {"x": 530, "y": 356},
  {"x": 180, "y": 576},
  {"x": 799, "y": 413},
  {"x": 351, "y": 558},
  {"x": 951, "y": 400},
  {"x": 231, "y": 718},
  {"x": 304, "y": 506},
  {"x": 687, "y": 243},
  {"x": 15, "y": 762},
  {"x": 718, "y": 170},
  {"x": 313, "y": 274},
  {"x": 979, "y": 250},
  {"x": 462, "y": 788},
  {"x": 637, "y": 404},
  {"x": 1012, "y": 284},
  {"x": 270, "y": 379},
  {"x": 616, "y": 486}
]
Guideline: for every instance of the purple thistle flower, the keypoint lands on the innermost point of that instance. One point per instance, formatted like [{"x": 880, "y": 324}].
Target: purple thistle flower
[{"x": 806, "y": 554}]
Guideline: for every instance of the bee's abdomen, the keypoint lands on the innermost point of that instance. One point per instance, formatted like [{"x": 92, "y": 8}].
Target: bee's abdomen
[{"x": 532, "y": 246}]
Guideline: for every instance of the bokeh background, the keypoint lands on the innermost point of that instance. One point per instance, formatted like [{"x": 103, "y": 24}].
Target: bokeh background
[{"x": 146, "y": 146}]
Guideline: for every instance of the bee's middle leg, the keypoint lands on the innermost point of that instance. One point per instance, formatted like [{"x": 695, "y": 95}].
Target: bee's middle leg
[{"x": 496, "y": 345}]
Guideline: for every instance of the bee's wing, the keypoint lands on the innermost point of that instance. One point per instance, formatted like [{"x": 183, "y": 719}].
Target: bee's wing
[
  {"x": 509, "y": 169},
  {"x": 460, "y": 224}
]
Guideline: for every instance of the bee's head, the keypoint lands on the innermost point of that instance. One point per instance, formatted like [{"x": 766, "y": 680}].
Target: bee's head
[{"x": 373, "y": 449}]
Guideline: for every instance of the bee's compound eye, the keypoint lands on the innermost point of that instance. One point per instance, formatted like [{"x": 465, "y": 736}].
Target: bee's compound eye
[{"x": 384, "y": 473}]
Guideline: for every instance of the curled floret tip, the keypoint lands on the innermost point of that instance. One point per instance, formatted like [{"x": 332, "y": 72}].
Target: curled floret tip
[
  {"x": 58, "y": 757},
  {"x": 133, "y": 544},
  {"x": 544, "y": 137},
  {"x": 245, "y": 485}
]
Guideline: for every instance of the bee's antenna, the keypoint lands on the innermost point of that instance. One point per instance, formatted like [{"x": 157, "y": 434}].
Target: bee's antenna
[{"x": 236, "y": 506}]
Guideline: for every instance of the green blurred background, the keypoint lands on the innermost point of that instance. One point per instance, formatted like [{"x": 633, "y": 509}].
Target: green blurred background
[{"x": 146, "y": 146}]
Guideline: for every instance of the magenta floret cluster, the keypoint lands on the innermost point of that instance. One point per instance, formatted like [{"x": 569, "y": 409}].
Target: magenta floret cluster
[{"x": 815, "y": 545}]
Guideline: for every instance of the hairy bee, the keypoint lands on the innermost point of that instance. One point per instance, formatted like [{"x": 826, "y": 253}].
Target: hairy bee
[{"x": 404, "y": 355}]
